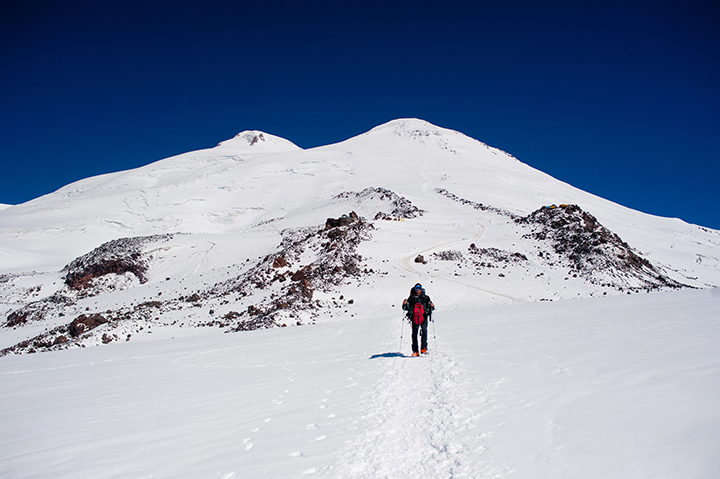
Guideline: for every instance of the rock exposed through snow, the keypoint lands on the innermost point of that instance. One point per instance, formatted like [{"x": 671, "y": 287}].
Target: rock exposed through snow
[
  {"x": 117, "y": 257},
  {"x": 591, "y": 250},
  {"x": 401, "y": 207},
  {"x": 301, "y": 279},
  {"x": 276, "y": 291}
]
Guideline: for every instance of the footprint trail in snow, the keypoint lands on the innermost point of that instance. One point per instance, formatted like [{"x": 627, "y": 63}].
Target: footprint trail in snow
[{"x": 418, "y": 421}]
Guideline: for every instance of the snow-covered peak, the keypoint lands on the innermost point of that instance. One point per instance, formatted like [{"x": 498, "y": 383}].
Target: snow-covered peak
[
  {"x": 405, "y": 124},
  {"x": 416, "y": 133},
  {"x": 413, "y": 128},
  {"x": 409, "y": 128},
  {"x": 254, "y": 141}
]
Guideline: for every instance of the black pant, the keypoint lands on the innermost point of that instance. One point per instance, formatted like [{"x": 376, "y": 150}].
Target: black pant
[{"x": 423, "y": 336}]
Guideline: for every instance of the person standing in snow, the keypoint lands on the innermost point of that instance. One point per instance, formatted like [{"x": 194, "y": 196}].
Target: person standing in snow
[{"x": 419, "y": 309}]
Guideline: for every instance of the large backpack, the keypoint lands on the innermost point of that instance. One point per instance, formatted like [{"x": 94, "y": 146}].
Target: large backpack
[{"x": 419, "y": 313}]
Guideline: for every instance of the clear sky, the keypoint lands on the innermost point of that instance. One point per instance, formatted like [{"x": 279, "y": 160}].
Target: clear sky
[{"x": 619, "y": 98}]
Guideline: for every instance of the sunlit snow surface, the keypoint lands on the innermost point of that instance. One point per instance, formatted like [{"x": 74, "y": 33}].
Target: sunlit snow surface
[
  {"x": 620, "y": 387},
  {"x": 593, "y": 384}
]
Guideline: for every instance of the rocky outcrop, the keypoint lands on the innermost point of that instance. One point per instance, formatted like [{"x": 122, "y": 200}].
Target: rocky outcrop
[
  {"x": 83, "y": 324},
  {"x": 401, "y": 206},
  {"x": 344, "y": 220},
  {"x": 117, "y": 257},
  {"x": 38, "y": 310},
  {"x": 594, "y": 252},
  {"x": 287, "y": 280}
]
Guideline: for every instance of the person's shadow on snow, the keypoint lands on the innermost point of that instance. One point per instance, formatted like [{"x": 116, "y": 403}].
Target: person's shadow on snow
[{"x": 388, "y": 355}]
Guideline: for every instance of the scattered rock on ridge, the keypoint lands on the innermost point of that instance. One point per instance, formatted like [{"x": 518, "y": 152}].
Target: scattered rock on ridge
[
  {"x": 118, "y": 257},
  {"x": 252, "y": 138},
  {"x": 475, "y": 205},
  {"x": 492, "y": 257},
  {"x": 449, "y": 255},
  {"x": 592, "y": 250},
  {"x": 401, "y": 206},
  {"x": 323, "y": 258},
  {"x": 294, "y": 283},
  {"x": 37, "y": 310}
]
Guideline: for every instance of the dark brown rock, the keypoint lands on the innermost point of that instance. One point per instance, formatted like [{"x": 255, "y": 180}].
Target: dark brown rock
[{"x": 85, "y": 323}]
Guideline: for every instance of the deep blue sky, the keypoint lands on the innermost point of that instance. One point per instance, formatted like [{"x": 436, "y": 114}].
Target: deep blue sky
[{"x": 619, "y": 98}]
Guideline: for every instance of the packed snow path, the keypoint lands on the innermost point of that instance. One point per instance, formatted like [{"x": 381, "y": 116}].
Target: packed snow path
[
  {"x": 620, "y": 387},
  {"x": 418, "y": 420}
]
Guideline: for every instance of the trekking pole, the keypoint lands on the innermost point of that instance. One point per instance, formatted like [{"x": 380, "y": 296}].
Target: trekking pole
[
  {"x": 402, "y": 328},
  {"x": 434, "y": 337}
]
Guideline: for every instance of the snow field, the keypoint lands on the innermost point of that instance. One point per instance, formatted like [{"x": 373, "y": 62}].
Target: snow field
[
  {"x": 168, "y": 408},
  {"x": 619, "y": 387},
  {"x": 609, "y": 387}
]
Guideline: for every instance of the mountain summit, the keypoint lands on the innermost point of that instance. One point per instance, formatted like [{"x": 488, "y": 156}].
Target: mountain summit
[
  {"x": 254, "y": 141},
  {"x": 419, "y": 130}
]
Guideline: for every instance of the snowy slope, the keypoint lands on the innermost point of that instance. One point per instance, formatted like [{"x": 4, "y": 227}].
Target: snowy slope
[
  {"x": 193, "y": 192},
  {"x": 129, "y": 283},
  {"x": 236, "y": 185},
  {"x": 475, "y": 215}
]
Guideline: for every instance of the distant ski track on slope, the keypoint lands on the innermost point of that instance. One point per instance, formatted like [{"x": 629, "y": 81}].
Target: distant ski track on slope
[
  {"x": 407, "y": 261},
  {"x": 419, "y": 422}
]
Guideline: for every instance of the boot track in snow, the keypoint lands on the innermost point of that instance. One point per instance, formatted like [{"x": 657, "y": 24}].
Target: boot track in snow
[{"x": 419, "y": 421}]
